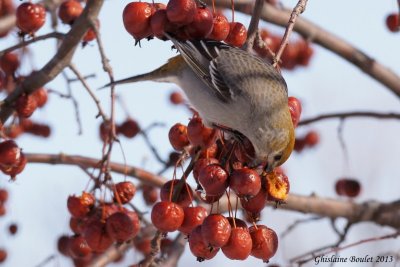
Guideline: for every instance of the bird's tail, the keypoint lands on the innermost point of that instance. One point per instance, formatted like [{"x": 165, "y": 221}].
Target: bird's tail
[{"x": 166, "y": 73}]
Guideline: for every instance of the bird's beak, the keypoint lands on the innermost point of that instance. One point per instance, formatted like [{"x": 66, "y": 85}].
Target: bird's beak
[{"x": 268, "y": 168}]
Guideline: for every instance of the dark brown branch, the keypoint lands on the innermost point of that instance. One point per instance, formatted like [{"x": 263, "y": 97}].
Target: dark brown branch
[
  {"x": 56, "y": 35},
  {"x": 298, "y": 9},
  {"x": 253, "y": 26},
  {"x": 142, "y": 175},
  {"x": 60, "y": 60},
  {"x": 316, "y": 34},
  {"x": 345, "y": 115}
]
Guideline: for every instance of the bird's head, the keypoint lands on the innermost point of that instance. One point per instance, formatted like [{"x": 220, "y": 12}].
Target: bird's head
[{"x": 274, "y": 146}]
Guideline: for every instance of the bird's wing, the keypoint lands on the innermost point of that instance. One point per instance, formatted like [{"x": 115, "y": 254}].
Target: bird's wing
[
  {"x": 200, "y": 55},
  {"x": 229, "y": 71}
]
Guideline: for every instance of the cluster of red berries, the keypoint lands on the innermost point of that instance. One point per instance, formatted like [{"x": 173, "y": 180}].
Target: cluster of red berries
[
  {"x": 129, "y": 128},
  {"x": 97, "y": 226},
  {"x": 310, "y": 140},
  {"x": 27, "y": 126},
  {"x": 348, "y": 187},
  {"x": 12, "y": 159},
  {"x": 393, "y": 22},
  {"x": 296, "y": 53},
  {"x": 219, "y": 168},
  {"x": 26, "y": 104},
  {"x": 185, "y": 19}
]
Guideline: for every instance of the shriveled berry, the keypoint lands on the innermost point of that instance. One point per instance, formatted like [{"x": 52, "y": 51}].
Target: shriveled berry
[
  {"x": 201, "y": 164},
  {"x": 10, "y": 153},
  {"x": 78, "y": 225},
  {"x": 198, "y": 134},
  {"x": 136, "y": 17},
  {"x": 348, "y": 187},
  {"x": 150, "y": 194},
  {"x": 26, "y": 105},
  {"x": 167, "y": 216},
  {"x": 255, "y": 204},
  {"x": 237, "y": 34},
  {"x": 13, "y": 228},
  {"x": 265, "y": 242},
  {"x": 213, "y": 179},
  {"x": 311, "y": 138},
  {"x": 97, "y": 237},
  {"x": 216, "y": 230},
  {"x": 193, "y": 216},
  {"x": 393, "y": 22},
  {"x": 245, "y": 182},
  {"x": 295, "y": 109},
  {"x": 181, "y": 12},
  {"x": 30, "y": 17},
  {"x": 9, "y": 63},
  {"x": 17, "y": 168},
  {"x": 198, "y": 247},
  {"x": 122, "y": 226},
  {"x": 81, "y": 205},
  {"x": 40, "y": 96},
  {"x": 63, "y": 245},
  {"x": 185, "y": 194},
  {"x": 202, "y": 23},
  {"x": 125, "y": 191},
  {"x": 129, "y": 128},
  {"x": 237, "y": 223},
  {"x": 220, "y": 30},
  {"x": 239, "y": 244},
  {"x": 178, "y": 136},
  {"x": 78, "y": 247},
  {"x": 176, "y": 98},
  {"x": 69, "y": 11}
]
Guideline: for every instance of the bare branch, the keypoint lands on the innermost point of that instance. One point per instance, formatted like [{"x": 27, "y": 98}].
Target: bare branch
[
  {"x": 345, "y": 115},
  {"x": 56, "y": 35},
  {"x": 298, "y": 9},
  {"x": 253, "y": 26},
  {"x": 142, "y": 175},
  {"x": 91, "y": 93}
]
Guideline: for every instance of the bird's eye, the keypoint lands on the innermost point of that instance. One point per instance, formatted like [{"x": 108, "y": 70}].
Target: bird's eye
[{"x": 278, "y": 157}]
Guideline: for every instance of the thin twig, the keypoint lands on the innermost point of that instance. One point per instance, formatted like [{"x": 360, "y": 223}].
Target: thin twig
[
  {"x": 253, "y": 26},
  {"x": 296, "y": 223},
  {"x": 74, "y": 103},
  {"x": 155, "y": 249},
  {"x": 47, "y": 260},
  {"x": 345, "y": 115},
  {"x": 299, "y": 8},
  {"x": 89, "y": 90},
  {"x": 57, "y": 35}
]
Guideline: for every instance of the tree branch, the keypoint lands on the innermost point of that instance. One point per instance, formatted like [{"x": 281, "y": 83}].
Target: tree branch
[
  {"x": 57, "y": 35},
  {"x": 345, "y": 115},
  {"x": 298, "y": 9},
  {"x": 253, "y": 26}
]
